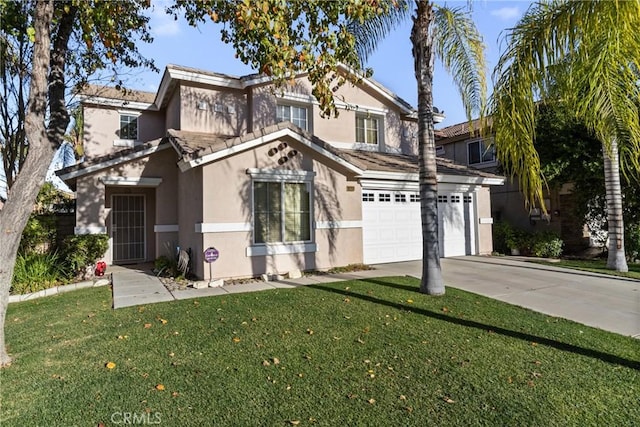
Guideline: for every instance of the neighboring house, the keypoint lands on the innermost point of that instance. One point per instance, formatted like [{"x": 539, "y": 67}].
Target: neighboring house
[
  {"x": 460, "y": 144},
  {"x": 217, "y": 161}
]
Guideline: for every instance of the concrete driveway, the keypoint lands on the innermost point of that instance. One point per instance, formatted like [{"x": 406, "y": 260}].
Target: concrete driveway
[{"x": 606, "y": 302}]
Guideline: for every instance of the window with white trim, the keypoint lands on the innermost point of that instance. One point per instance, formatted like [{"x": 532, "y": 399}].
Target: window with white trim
[
  {"x": 442, "y": 199},
  {"x": 455, "y": 199},
  {"x": 281, "y": 212},
  {"x": 480, "y": 152},
  {"x": 367, "y": 129},
  {"x": 128, "y": 127},
  {"x": 400, "y": 198},
  {"x": 368, "y": 197},
  {"x": 384, "y": 197},
  {"x": 294, "y": 114},
  {"x": 414, "y": 198}
]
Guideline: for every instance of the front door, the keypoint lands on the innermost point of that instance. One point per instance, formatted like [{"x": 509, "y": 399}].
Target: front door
[{"x": 128, "y": 228}]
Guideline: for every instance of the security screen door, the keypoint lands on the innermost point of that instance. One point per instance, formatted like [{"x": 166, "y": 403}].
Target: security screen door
[{"x": 127, "y": 228}]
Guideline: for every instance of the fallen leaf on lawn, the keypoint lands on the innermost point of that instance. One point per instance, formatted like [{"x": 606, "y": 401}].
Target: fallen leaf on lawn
[
  {"x": 409, "y": 301},
  {"x": 172, "y": 354},
  {"x": 310, "y": 332},
  {"x": 266, "y": 363},
  {"x": 371, "y": 401},
  {"x": 236, "y": 339},
  {"x": 403, "y": 397},
  {"x": 534, "y": 344},
  {"x": 160, "y": 387},
  {"x": 163, "y": 321},
  {"x": 537, "y": 362},
  {"x": 175, "y": 394},
  {"x": 346, "y": 300},
  {"x": 531, "y": 383},
  {"x": 337, "y": 338},
  {"x": 110, "y": 365},
  {"x": 510, "y": 380},
  {"x": 360, "y": 341},
  {"x": 448, "y": 400},
  {"x": 275, "y": 361},
  {"x": 306, "y": 356},
  {"x": 445, "y": 309},
  {"x": 294, "y": 422},
  {"x": 409, "y": 409},
  {"x": 288, "y": 386},
  {"x": 352, "y": 396},
  {"x": 91, "y": 315},
  {"x": 536, "y": 374},
  {"x": 147, "y": 325}
]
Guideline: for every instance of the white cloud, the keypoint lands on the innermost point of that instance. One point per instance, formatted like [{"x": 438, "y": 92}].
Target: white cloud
[
  {"x": 161, "y": 23},
  {"x": 507, "y": 13}
]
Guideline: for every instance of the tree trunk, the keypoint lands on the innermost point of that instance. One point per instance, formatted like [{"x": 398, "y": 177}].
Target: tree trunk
[
  {"x": 616, "y": 258},
  {"x": 21, "y": 198},
  {"x": 422, "y": 46}
]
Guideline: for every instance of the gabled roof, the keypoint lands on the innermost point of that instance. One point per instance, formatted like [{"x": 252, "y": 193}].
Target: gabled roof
[
  {"x": 71, "y": 173},
  {"x": 461, "y": 130},
  {"x": 405, "y": 163},
  {"x": 116, "y": 97},
  {"x": 198, "y": 149}
]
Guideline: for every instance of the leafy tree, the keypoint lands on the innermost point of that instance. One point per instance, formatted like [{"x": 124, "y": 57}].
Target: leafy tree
[
  {"x": 587, "y": 54},
  {"x": 70, "y": 40},
  {"x": 15, "y": 57},
  {"x": 282, "y": 38}
]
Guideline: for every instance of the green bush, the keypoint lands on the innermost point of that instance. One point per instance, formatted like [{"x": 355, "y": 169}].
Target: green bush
[
  {"x": 34, "y": 272},
  {"x": 632, "y": 241},
  {"x": 164, "y": 266},
  {"x": 39, "y": 231},
  {"x": 546, "y": 244},
  {"x": 503, "y": 235},
  {"x": 80, "y": 251}
]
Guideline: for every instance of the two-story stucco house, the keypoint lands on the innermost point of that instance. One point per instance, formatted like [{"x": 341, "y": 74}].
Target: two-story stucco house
[
  {"x": 212, "y": 160},
  {"x": 463, "y": 145}
]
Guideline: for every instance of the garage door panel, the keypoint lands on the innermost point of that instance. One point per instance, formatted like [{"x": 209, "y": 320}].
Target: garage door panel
[{"x": 392, "y": 228}]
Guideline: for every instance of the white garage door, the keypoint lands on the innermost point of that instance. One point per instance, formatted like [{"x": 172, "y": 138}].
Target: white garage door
[{"x": 392, "y": 229}]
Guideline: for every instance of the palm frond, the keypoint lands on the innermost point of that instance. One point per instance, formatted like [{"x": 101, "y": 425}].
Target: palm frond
[
  {"x": 459, "y": 45},
  {"x": 370, "y": 32},
  {"x": 584, "y": 53}
]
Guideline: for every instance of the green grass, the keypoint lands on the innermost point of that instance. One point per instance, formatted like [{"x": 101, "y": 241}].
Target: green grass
[
  {"x": 360, "y": 353},
  {"x": 596, "y": 266}
]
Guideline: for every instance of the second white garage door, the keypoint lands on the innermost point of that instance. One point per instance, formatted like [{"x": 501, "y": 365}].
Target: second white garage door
[{"x": 392, "y": 230}]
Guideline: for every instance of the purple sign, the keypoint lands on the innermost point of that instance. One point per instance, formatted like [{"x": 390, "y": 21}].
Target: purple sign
[{"x": 211, "y": 254}]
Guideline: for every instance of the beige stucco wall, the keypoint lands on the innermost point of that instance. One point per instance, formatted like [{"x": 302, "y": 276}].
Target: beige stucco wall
[
  {"x": 94, "y": 199},
  {"x": 172, "y": 112},
  {"x": 230, "y": 121},
  {"x": 190, "y": 197},
  {"x": 227, "y": 203},
  {"x": 485, "y": 242},
  {"x": 339, "y": 129},
  {"x": 102, "y": 125}
]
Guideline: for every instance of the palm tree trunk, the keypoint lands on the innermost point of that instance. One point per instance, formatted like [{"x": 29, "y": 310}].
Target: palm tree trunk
[
  {"x": 422, "y": 46},
  {"x": 616, "y": 258}
]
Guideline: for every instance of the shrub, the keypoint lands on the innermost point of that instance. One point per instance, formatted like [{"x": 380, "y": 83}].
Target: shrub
[
  {"x": 83, "y": 250},
  {"x": 34, "y": 272},
  {"x": 632, "y": 241},
  {"x": 546, "y": 245},
  {"x": 503, "y": 235},
  {"x": 164, "y": 266}
]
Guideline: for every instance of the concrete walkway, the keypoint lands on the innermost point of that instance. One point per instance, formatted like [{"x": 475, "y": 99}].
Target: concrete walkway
[{"x": 606, "y": 302}]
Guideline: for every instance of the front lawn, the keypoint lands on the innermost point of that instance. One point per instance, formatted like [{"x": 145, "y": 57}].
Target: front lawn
[
  {"x": 359, "y": 353},
  {"x": 596, "y": 266}
]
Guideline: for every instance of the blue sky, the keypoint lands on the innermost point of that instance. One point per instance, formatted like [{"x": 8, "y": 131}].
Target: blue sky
[{"x": 177, "y": 43}]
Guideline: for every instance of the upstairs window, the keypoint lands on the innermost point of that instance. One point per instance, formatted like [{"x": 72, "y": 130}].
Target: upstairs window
[
  {"x": 480, "y": 152},
  {"x": 128, "y": 127},
  {"x": 294, "y": 114},
  {"x": 366, "y": 130}
]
